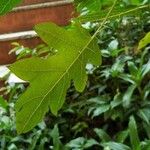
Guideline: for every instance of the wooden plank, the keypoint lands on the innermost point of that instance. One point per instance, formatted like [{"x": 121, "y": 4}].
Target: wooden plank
[
  {"x": 42, "y": 5},
  {"x": 25, "y": 20},
  {"x": 17, "y": 35},
  {"x": 6, "y": 46},
  {"x": 28, "y": 2}
]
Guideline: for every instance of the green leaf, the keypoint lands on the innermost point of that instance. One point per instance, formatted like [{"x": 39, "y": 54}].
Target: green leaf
[
  {"x": 89, "y": 143},
  {"x": 134, "y": 138},
  {"x": 145, "y": 145},
  {"x": 35, "y": 139},
  {"x": 99, "y": 110},
  {"x": 144, "y": 41},
  {"x": 146, "y": 69},
  {"x": 147, "y": 129},
  {"x": 81, "y": 143},
  {"x": 132, "y": 68},
  {"x": 128, "y": 96},
  {"x": 76, "y": 143},
  {"x": 57, "y": 145},
  {"x": 144, "y": 114},
  {"x": 121, "y": 136},
  {"x": 3, "y": 103},
  {"x": 102, "y": 135},
  {"x": 117, "y": 100},
  {"x": 135, "y": 2},
  {"x": 7, "y": 5},
  {"x": 50, "y": 78},
  {"x": 116, "y": 13},
  {"x": 116, "y": 146},
  {"x": 88, "y": 6},
  {"x": 118, "y": 67}
]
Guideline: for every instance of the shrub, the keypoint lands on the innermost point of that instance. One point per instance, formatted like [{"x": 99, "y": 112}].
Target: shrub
[{"x": 113, "y": 111}]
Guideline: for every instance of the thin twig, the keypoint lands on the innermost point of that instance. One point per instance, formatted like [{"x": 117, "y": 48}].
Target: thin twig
[
  {"x": 86, "y": 18},
  {"x": 104, "y": 21}
]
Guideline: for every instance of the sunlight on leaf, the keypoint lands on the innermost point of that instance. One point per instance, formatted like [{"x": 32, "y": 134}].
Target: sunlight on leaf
[{"x": 145, "y": 41}]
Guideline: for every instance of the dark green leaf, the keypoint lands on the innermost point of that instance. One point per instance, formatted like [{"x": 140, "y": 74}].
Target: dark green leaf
[
  {"x": 127, "y": 98},
  {"x": 144, "y": 114},
  {"x": 116, "y": 146},
  {"x": 57, "y": 145},
  {"x": 81, "y": 143},
  {"x": 121, "y": 136},
  {"x": 134, "y": 138},
  {"x": 102, "y": 135},
  {"x": 132, "y": 68}
]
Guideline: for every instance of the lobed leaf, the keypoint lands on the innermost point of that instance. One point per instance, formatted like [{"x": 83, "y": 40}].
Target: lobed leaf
[{"x": 50, "y": 78}]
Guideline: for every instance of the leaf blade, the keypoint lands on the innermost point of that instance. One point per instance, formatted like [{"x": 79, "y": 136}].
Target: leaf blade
[
  {"x": 55, "y": 72},
  {"x": 7, "y": 6}
]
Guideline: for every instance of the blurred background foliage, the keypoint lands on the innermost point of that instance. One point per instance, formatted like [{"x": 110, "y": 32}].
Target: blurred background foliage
[{"x": 113, "y": 113}]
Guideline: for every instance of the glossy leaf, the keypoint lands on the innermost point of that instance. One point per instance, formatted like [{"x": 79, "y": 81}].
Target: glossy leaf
[
  {"x": 144, "y": 114},
  {"x": 127, "y": 98},
  {"x": 116, "y": 146},
  {"x": 146, "y": 68},
  {"x": 134, "y": 138},
  {"x": 102, "y": 135},
  {"x": 81, "y": 143}
]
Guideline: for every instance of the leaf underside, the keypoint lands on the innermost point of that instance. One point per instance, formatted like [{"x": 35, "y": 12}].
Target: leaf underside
[{"x": 50, "y": 78}]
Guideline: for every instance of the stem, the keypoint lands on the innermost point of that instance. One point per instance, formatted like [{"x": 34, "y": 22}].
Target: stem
[
  {"x": 93, "y": 18},
  {"x": 101, "y": 26},
  {"x": 141, "y": 92},
  {"x": 104, "y": 21}
]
